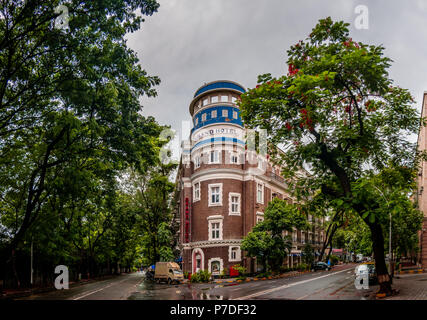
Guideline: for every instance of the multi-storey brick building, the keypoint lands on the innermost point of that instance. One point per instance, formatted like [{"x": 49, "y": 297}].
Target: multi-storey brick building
[
  {"x": 224, "y": 187},
  {"x": 421, "y": 196}
]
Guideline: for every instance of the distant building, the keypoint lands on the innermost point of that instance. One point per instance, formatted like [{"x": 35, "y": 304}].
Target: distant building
[
  {"x": 421, "y": 196},
  {"x": 224, "y": 188}
]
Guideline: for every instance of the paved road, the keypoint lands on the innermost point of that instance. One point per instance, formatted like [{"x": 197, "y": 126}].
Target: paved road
[
  {"x": 115, "y": 288},
  {"x": 330, "y": 285}
]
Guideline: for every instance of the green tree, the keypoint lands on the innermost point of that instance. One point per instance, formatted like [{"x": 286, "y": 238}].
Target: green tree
[
  {"x": 338, "y": 112},
  {"x": 152, "y": 193},
  {"x": 70, "y": 109},
  {"x": 308, "y": 254},
  {"x": 267, "y": 241}
]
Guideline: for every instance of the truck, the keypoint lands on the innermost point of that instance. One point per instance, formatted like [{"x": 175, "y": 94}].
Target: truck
[{"x": 169, "y": 272}]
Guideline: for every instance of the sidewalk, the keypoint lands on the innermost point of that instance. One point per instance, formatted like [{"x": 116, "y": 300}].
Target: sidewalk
[{"x": 410, "y": 286}]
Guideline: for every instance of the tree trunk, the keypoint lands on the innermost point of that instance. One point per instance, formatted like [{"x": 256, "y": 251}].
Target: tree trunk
[
  {"x": 327, "y": 242},
  {"x": 329, "y": 253},
  {"x": 384, "y": 279}
]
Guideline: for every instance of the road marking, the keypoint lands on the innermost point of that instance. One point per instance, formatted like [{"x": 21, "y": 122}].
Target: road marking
[
  {"x": 92, "y": 292},
  {"x": 286, "y": 286},
  {"x": 300, "y": 298}
]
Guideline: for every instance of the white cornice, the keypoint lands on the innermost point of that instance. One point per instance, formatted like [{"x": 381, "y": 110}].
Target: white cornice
[{"x": 211, "y": 244}]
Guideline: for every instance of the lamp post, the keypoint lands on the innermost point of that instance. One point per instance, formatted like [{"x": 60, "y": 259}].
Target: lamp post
[{"x": 31, "y": 264}]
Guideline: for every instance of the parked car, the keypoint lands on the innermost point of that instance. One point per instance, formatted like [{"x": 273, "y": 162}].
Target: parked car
[
  {"x": 367, "y": 267},
  {"x": 320, "y": 266}
]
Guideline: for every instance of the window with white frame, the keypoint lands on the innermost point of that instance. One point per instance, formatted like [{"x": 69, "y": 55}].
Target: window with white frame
[
  {"x": 224, "y": 98},
  {"x": 215, "y": 230},
  {"x": 213, "y": 114},
  {"x": 214, "y": 99},
  {"x": 234, "y": 253},
  {"x": 204, "y": 117},
  {"x": 215, "y": 227},
  {"x": 233, "y": 99},
  {"x": 260, "y": 193},
  {"x": 196, "y": 121},
  {"x": 235, "y": 114},
  {"x": 215, "y": 194},
  {"x": 197, "y": 162},
  {"x": 234, "y": 203},
  {"x": 225, "y": 113},
  {"x": 205, "y": 101},
  {"x": 196, "y": 189},
  {"x": 214, "y": 156}
]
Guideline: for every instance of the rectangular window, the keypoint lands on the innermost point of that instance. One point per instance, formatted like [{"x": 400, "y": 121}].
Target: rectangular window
[
  {"x": 260, "y": 193},
  {"x": 225, "y": 113},
  {"x": 196, "y": 121},
  {"x": 205, "y": 101},
  {"x": 204, "y": 117},
  {"x": 197, "y": 162},
  {"x": 214, "y": 99},
  {"x": 213, "y": 114},
  {"x": 214, "y": 156},
  {"x": 197, "y": 191},
  {"x": 224, "y": 98},
  {"x": 233, "y": 99},
  {"x": 215, "y": 230},
  {"x": 234, "y": 203},
  {"x": 235, "y": 114},
  {"x": 215, "y": 195}
]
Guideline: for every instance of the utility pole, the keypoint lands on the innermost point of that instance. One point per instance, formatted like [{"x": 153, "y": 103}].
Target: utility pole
[
  {"x": 31, "y": 264},
  {"x": 389, "y": 248}
]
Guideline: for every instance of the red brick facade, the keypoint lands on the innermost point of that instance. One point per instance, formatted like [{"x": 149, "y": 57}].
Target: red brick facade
[{"x": 220, "y": 202}]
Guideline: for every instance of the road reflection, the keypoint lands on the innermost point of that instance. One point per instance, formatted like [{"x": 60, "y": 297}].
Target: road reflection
[{"x": 149, "y": 290}]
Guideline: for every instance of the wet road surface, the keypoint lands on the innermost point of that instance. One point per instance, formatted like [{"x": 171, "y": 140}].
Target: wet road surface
[{"x": 337, "y": 284}]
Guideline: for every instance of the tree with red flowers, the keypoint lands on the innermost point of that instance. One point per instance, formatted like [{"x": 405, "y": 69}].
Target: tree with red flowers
[{"x": 337, "y": 114}]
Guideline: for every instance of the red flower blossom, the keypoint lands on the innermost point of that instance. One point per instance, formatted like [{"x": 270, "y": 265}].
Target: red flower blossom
[{"x": 292, "y": 70}]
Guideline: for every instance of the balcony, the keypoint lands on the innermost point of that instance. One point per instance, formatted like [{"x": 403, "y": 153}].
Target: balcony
[{"x": 276, "y": 177}]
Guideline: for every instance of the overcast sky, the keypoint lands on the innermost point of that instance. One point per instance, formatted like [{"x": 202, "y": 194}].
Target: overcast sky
[{"x": 190, "y": 42}]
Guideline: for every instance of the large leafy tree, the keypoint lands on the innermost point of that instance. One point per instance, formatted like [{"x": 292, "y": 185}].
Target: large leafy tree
[
  {"x": 152, "y": 199},
  {"x": 70, "y": 109},
  {"x": 267, "y": 240},
  {"x": 338, "y": 114}
]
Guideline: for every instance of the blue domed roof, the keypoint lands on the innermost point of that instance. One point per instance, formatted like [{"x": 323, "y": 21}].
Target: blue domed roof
[{"x": 222, "y": 84}]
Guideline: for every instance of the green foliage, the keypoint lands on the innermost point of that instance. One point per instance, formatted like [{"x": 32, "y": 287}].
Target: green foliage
[
  {"x": 302, "y": 267},
  {"x": 266, "y": 241},
  {"x": 334, "y": 259},
  {"x": 308, "y": 254},
  {"x": 338, "y": 113},
  {"x": 241, "y": 269},
  {"x": 201, "y": 276},
  {"x": 71, "y": 125}
]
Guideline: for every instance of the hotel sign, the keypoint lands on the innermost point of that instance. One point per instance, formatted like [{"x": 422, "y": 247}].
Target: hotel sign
[{"x": 215, "y": 132}]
